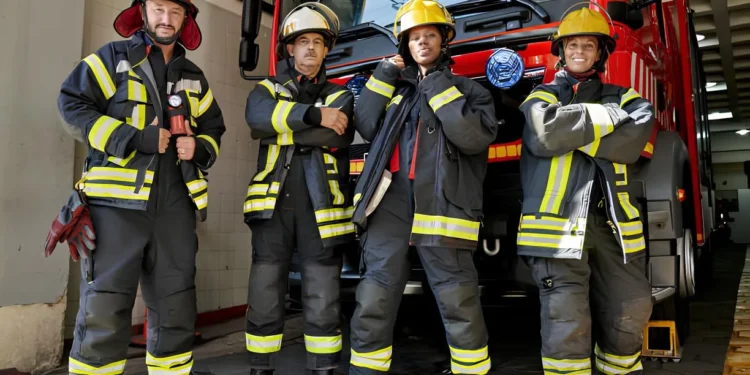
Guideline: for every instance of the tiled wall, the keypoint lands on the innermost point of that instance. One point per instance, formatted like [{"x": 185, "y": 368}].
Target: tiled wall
[{"x": 224, "y": 254}]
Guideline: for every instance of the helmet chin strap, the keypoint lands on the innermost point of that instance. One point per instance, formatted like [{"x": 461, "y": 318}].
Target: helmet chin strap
[{"x": 158, "y": 39}]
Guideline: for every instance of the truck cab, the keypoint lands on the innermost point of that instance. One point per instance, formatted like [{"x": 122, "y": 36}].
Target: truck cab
[{"x": 656, "y": 55}]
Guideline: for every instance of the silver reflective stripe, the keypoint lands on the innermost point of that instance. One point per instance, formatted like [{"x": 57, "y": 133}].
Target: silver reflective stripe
[
  {"x": 480, "y": 368},
  {"x": 566, "y": 364},
  {"x": 202, "y": 201},
  {"x": 379, "y": 360},
  {"x": 115, "y": 191},
  {"x": 279, "y": 116},
  {"x": 551, "y": 241},
  {"x": 124, "y": 66},
  {"x": 444, "y": 98},
  {"x": 263, "y": 344},
  {"x": 380, "y": 87},
  {"x": 323, "y": 345},
  {"x": 257, "y": 189},
  {"x": 468, "y": 355},
  {"x": 112, "y": 174},
  {"x": 334, "y": 230},
  {"x": 444, "y": 226},
  {"x": 624, "y": 360},
  {"x": 186, "y": 84},
  {"x": 101, "y": 131},
  {"x": 556, "y": 183},
  {"x": 77, "y": 367},
  {"x": 334, "y": 214},
  {"x": 196, "y": 186},
  {"x": 612, "y": 369},
  {"x": 170, "y": 361}
]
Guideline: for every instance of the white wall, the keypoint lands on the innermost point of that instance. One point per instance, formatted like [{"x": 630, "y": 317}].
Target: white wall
[
  {"x": 36, "y": 157},
  {"x": 224, "y": 254}
]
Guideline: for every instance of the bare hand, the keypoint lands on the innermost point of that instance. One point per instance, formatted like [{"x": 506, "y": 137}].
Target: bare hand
[
  {"x": 185, "y": 148},
  {"x": 164, "y": 135},
  {"x": 398, "y": 60},
  {"x": 333, "y": 119}
]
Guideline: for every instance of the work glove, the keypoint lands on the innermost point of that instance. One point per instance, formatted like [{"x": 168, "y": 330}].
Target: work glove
[{"x": 73, "y": 224}]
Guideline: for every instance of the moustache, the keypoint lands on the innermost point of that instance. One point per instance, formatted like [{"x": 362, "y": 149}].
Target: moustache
[
  {"x": 310, "y": 54},
  {"x": 165, "y": 26}
]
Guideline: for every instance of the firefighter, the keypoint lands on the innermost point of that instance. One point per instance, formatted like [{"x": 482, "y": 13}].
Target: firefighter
[
  {"x": 142, "y": 184},
  {"x": 421, "y": 185},
  {"x": 299, "y": 196},
  {"x": 580, "y": 229}
]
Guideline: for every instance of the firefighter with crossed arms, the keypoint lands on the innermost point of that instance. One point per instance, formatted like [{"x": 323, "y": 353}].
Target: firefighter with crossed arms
[
  {"x": 580, "y": 230},
  {"x": 299, "y": 197},
  {"x": 430, "y": 132},
  {"x": 153, "y": 129}
]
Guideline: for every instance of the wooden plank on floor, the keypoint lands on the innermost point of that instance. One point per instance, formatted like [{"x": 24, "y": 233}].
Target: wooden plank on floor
[{"x": 737, "y": 361}]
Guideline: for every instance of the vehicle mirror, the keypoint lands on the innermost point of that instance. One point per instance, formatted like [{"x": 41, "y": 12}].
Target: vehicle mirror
[{"x": 249, "y": 50}]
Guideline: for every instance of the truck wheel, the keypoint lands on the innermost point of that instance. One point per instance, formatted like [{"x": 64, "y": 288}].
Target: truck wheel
[{"x": 686, "y": 252}]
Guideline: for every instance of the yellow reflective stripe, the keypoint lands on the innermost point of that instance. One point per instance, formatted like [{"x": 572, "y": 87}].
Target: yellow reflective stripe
[
  {"x": 621, "y": 169},
  {"x": 271, "y": 157},
  {"x": 116, "y": 174},
  {"x": 329, "y": 159},
  {"x": 197, "y": 186},
  {"x": 610, "y": 369},
  {"x": 572, "y": 372},
  {"x": 122, "y": 162},
  {"x": 333, "y": 214},
  {"x": 542, "y": 95},
  {"x": 101, "y": 131},
  {"x": 205, "y": 103},
  {"x": 634, "y": 246},
  {"x": 396, "y": 100},
  {"x": 267, "y": 84},
  {"x": 631, "y": 228},
  {"x": 137, "y": 119},
  {"x": 338, "y": 196},
  {"x": 212, "y": 142},
  {"x": 444, "y": 98},
  {"x": 557, "y": 183},
  {"x": 261, "y": 204},
  {"x": 331, "y": 98},
  {"x": 115, "y": 191},
  {"x": 102, "y": 75},
  {"x": 631, "y": 211},
  {"x": 323, "y": 345},
  {"x": 445, "y": 226},
  {"x": 379, "y": 360},
  {"x": 551, "y": 223},
  {"x": 629, "y": 96},
  {"x": 257, "y": 189},
  {"x": 481, "y": 367},
  {"x": 263, "y": 344},
  {"x": 78, "y": 367},
  {"x": 285, "y": 139},
  {"x": 602, "y": 124},
  {"x": 619, "y": 360},
  {"x": 357, "y": 197},
  {"x": 335, "y": 230},
  {"x": 464, "y": 355},
  {"x": 201, "y": 201},
  {"x": 279, "y": 116},
  {"x": 192, "y": 96},
  {"x": 136, "y": 91},
  {"x": 565, "y": 365},
  {"x": 552, "y": 241},
  {"x": 179, "y": 359},
  {"x": 380, "y": 87}
]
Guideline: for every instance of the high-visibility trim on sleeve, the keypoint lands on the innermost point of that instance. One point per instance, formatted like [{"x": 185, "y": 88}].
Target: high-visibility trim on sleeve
[
  {"x": 212, "y": 142},
  {"x": 102, "y": 75},
  {"x": 205, "y": 103},
  {"x": 101, "y": 131},
  {"x": 380, "y": 87},
  {"x": 444, "y": 98}
]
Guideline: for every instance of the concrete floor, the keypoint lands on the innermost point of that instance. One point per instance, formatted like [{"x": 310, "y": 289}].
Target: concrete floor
[{"x": 419, "y": 345}]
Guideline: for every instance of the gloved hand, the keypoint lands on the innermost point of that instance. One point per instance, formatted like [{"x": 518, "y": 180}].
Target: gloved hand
[{"x": 73, "y": 224}]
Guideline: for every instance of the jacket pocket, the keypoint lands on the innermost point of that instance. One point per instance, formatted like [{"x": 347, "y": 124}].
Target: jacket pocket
[{"x": 464, "y": 179}]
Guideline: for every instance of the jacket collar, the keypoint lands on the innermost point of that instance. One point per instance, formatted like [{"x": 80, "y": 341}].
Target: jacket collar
[
  {"x": 285, "y": 72},
  {"x": 139, "y": 46}
]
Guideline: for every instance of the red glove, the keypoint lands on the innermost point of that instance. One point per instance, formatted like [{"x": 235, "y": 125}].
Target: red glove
[{"x": 73, "y": 224}]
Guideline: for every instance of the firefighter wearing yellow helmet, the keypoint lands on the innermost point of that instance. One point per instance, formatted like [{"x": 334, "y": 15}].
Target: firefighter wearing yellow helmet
[
  {"x": 299, "y": 197},
  {"x": 429, "y": 131},
  {"x": 581, "y": 230}
]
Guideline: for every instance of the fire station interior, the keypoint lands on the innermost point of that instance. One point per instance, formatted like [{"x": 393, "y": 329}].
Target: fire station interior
[{"x": 699, "y": 322}]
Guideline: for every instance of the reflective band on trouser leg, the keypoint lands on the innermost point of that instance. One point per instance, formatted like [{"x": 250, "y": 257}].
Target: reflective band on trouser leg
[
  {"x": 611, "y": 364},
  {"x": 78, "y": 367},
  {"x": 557, "y": 183},
  {"x": 470, "y": 361},
  {"x": 445, "y": 226},
  {"x": 379, "y": 360},
  {"x": 263, "y": 344},
  {"x": 180, "y": 364},
  {"x": 380, "y": 87},
  {"x": 566, "y": 366},
  {"x": 323, "y": 345}
]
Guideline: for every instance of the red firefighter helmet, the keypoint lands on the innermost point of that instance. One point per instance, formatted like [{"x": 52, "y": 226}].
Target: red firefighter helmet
[{"x": 131, "y": 19}]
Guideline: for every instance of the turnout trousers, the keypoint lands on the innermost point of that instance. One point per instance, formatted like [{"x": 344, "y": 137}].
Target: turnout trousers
[
  {"x": 293, "y": 226},
  {"x": 598, "y": 287},
  {"x": 157, "y": 246},
  {"x": 385, "y": 269}
]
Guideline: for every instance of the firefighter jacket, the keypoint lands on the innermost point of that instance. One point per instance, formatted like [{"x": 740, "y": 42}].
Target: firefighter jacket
[
  {"x": 456, "y": 125},
  {"x": 573, "y": 139},
  {"x": 285, "y": 116},
  {"x": 110, "y": 97}
]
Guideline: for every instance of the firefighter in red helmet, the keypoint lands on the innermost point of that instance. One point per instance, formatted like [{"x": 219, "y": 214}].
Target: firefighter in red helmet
[{"x": 152, "y": 128}]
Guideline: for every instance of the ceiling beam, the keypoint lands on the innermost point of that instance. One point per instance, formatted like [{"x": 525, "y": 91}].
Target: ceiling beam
[{"x": 721, "y": 20}]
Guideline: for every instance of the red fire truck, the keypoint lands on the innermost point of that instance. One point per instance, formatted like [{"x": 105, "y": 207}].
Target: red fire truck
[{"x": 657, "y": 54}]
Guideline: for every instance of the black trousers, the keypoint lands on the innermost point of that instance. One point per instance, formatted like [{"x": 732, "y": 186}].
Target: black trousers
[
  {"x": 293, "y": 226},
  {"x": 597, "y": 295}
]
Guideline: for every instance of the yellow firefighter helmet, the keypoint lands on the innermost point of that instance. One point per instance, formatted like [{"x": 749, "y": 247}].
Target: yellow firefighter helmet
[
  {"x": 421, "y": 13},
  {"x": 582, "y": 22},
  {"x": 307, "y": 18}
]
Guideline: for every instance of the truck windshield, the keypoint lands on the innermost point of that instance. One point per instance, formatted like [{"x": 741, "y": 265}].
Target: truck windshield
[{"x": 355, "y": 12}]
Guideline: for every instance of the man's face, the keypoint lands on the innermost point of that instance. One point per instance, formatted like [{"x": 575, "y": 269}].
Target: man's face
[
  {"x": 424, "y": 44},
  {"x": 165, "y": 18},
  {"x": 308, "y": 50},
  {"x": 581, "y": 53}
]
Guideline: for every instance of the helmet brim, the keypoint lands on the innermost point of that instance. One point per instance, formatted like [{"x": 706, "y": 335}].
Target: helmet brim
[{"x": 130, "y": 20}]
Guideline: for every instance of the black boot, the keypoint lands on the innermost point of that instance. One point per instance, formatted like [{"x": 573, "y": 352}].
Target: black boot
[
  {"x": 322, "y": 372},
  {"x": 257, "y": 371}
]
